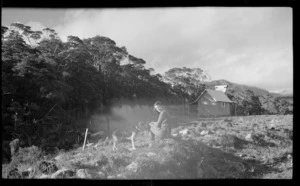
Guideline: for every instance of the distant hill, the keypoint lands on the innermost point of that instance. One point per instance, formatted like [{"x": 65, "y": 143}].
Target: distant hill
[
  {"x": 250, "y": 99},
  {"x": 283, "y": 92},
  {"x": 272, "y": 103},
  {"x": 239, "y": 87}
]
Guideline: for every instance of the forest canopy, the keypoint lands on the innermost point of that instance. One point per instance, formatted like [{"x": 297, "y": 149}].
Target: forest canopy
[{"x": 48, "y": 83}]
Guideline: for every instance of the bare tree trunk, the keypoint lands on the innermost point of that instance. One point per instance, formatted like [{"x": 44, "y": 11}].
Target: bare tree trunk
[
  {"x": 235, "y": 109},
  {"x": 107, "y": 124},
  {"x": 188, "y": 113},
  {"x": 15, "y": 124},
  {"x": 86, "y": 111},
  {"x": 28, "y": 139},
  {"x": 55, "y": 50},
  {"x": 29, "y": 40}
]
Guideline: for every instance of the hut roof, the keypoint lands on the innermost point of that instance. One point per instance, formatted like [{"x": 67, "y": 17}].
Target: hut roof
[{"x": 216, "y": 95}]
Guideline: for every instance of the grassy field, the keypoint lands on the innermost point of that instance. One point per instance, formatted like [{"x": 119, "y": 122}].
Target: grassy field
[{"x": 257, "y": 147}]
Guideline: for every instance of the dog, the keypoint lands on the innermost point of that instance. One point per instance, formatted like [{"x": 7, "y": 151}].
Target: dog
[{"x": 119, "y": 134}]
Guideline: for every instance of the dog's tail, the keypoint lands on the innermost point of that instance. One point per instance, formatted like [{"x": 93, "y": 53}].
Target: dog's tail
[
  {"x": 105, "y": 142},
  {"x": 107, "y": 138},
  {"x": 128, "y": 138}
]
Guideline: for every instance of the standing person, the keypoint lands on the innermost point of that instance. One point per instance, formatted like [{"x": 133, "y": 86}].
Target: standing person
[{"x": 160, "y": 129}]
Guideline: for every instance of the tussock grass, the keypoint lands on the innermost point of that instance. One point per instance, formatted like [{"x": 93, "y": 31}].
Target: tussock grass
[{"x": 223, "y": 153}]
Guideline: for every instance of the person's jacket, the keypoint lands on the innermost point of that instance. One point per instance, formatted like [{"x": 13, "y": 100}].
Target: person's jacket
[{"x": 163, "y": 119}]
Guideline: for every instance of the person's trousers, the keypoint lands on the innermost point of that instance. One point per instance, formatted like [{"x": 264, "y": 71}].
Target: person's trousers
[{"x": 157, "y": 134}]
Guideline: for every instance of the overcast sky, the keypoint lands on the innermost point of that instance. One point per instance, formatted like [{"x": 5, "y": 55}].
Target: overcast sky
[{"x": 251, "y": 46}]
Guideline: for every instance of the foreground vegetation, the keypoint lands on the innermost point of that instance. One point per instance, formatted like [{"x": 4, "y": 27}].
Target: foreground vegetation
[{"x": 232, "y": 147}]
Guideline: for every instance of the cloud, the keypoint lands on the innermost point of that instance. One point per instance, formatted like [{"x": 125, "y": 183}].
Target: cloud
[
  {"x": 268, "y": 70},
  {"x": 243, "y": 45}
]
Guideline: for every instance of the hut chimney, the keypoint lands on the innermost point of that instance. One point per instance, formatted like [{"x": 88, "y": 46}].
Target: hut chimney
[{"x": 221, "y": 88}]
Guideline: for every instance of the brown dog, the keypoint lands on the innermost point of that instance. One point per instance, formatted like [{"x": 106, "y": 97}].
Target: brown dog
[{"x": 130, "y": 134}]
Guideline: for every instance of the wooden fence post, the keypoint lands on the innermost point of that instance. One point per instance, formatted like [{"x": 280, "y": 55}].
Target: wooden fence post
[{"x": 86, "y": 131}]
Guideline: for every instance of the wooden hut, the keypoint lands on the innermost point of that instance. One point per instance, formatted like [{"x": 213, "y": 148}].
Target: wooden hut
[{"x": 212, "y": 103}]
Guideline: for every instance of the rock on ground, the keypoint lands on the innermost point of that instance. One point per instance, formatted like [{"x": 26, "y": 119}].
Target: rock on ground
[
  {"x": 82, "y": 173},
  {"x": 59, "y": 158},
  {"x": 90, "y": 174},
  {"x": 249, "y": 137},
  {"x": 132, "y": 167},
  {"x": 44, "y": 176},
  {"x": 63, "y": 173}
]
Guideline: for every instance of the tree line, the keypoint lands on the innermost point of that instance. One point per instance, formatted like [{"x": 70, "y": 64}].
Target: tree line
[{"x": 51, "y": 85}]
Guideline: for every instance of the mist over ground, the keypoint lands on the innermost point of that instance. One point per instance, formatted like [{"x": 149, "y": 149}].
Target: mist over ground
[{"x": 124, "y": 115}]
